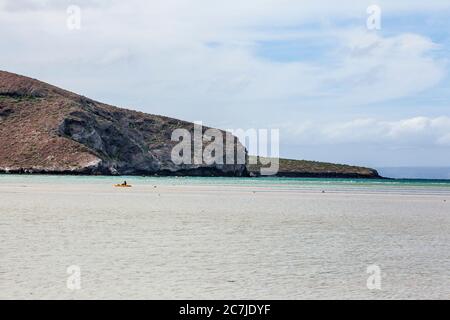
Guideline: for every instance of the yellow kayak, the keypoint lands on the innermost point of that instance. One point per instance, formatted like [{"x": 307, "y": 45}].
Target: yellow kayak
[{"x": 122, "y": 186}]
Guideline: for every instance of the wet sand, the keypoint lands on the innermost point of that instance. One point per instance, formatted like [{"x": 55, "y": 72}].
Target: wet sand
[{"x": 220, "y": 242}]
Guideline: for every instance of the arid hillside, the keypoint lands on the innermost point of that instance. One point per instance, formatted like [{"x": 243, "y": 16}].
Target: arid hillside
[
  {"x": 44, "y": 129},
  {"x": 312, "y": 169}
]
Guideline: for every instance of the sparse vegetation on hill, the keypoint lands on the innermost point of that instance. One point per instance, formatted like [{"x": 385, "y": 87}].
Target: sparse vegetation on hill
[
  {"x": 303, "y": 168},
  {"x": 44, "y": 129}
]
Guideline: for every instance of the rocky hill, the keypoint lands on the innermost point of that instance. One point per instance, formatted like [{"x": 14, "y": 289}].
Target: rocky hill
[
  {"x": 312, "y": 169},
  {"x": 45, "y": 129}
]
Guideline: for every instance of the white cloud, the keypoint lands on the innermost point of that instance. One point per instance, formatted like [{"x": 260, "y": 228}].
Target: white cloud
[
  {"x": 199, "y": 60},
  {"x": 411, "y": 132},
  {"x": 164, "y": 46},
  {"x": 373, "y": 68}
]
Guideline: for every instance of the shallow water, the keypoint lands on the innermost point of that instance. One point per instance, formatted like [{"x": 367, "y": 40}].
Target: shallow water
[{"x": 209, "y": 238}]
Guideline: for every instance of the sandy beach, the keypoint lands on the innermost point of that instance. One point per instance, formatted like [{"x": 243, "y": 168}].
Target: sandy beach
[{"x": 182, "y": 241}]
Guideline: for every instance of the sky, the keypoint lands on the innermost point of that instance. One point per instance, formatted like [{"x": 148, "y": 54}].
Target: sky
[{"x": 337, "y": 90}]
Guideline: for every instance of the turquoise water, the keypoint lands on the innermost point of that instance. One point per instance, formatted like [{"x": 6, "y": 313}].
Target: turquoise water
[
  {"x": 6, "y": 178},
  {"x": 223, "y": 238},
  {"x": 306, "y": 184}
]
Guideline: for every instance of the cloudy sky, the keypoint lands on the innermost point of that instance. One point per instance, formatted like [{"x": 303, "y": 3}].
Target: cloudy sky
[{"x": 338, "y": 91}]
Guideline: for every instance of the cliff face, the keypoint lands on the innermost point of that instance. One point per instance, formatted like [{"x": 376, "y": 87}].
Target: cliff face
[{"x": 44, "y": 129}]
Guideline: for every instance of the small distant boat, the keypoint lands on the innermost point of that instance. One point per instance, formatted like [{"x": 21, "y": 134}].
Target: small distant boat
[{"x": 123, "y": 185}]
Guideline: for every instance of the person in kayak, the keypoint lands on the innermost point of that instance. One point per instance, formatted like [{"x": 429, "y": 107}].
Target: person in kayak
[{"x": 123, "y": 185}]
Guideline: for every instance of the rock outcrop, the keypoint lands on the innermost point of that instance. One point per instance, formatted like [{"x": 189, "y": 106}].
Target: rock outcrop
[
  {"x": 44, "y": 129},
  {"x": 288, "y": 168}
]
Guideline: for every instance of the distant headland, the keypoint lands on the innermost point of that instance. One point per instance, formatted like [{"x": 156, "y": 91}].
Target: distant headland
[{"x": 48, "y": 130}]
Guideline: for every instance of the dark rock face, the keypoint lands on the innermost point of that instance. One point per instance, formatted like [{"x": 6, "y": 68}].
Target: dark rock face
[
  {"x": 44, "y": 129},
  {"x": 61, "y": 132},
  {"x": 122, "y": 149},
  {"x": 4, "y": 112}
]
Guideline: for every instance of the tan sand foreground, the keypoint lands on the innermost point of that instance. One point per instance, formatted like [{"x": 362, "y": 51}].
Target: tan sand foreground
[{"x": 220, "y": 242}]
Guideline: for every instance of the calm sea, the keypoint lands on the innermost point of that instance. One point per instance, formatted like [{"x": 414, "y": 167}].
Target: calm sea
[
  {"x": 223, "y": 238},
  {"x": 402, "y": 186}
]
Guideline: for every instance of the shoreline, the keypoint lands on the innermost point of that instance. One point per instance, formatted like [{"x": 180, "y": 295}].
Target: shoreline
[
  {"x": 167, "y": 240},
  {"x": 275, "y": 185},
  {"x": 75, "y": 174},
  {"x": 180, "y": 174}
]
